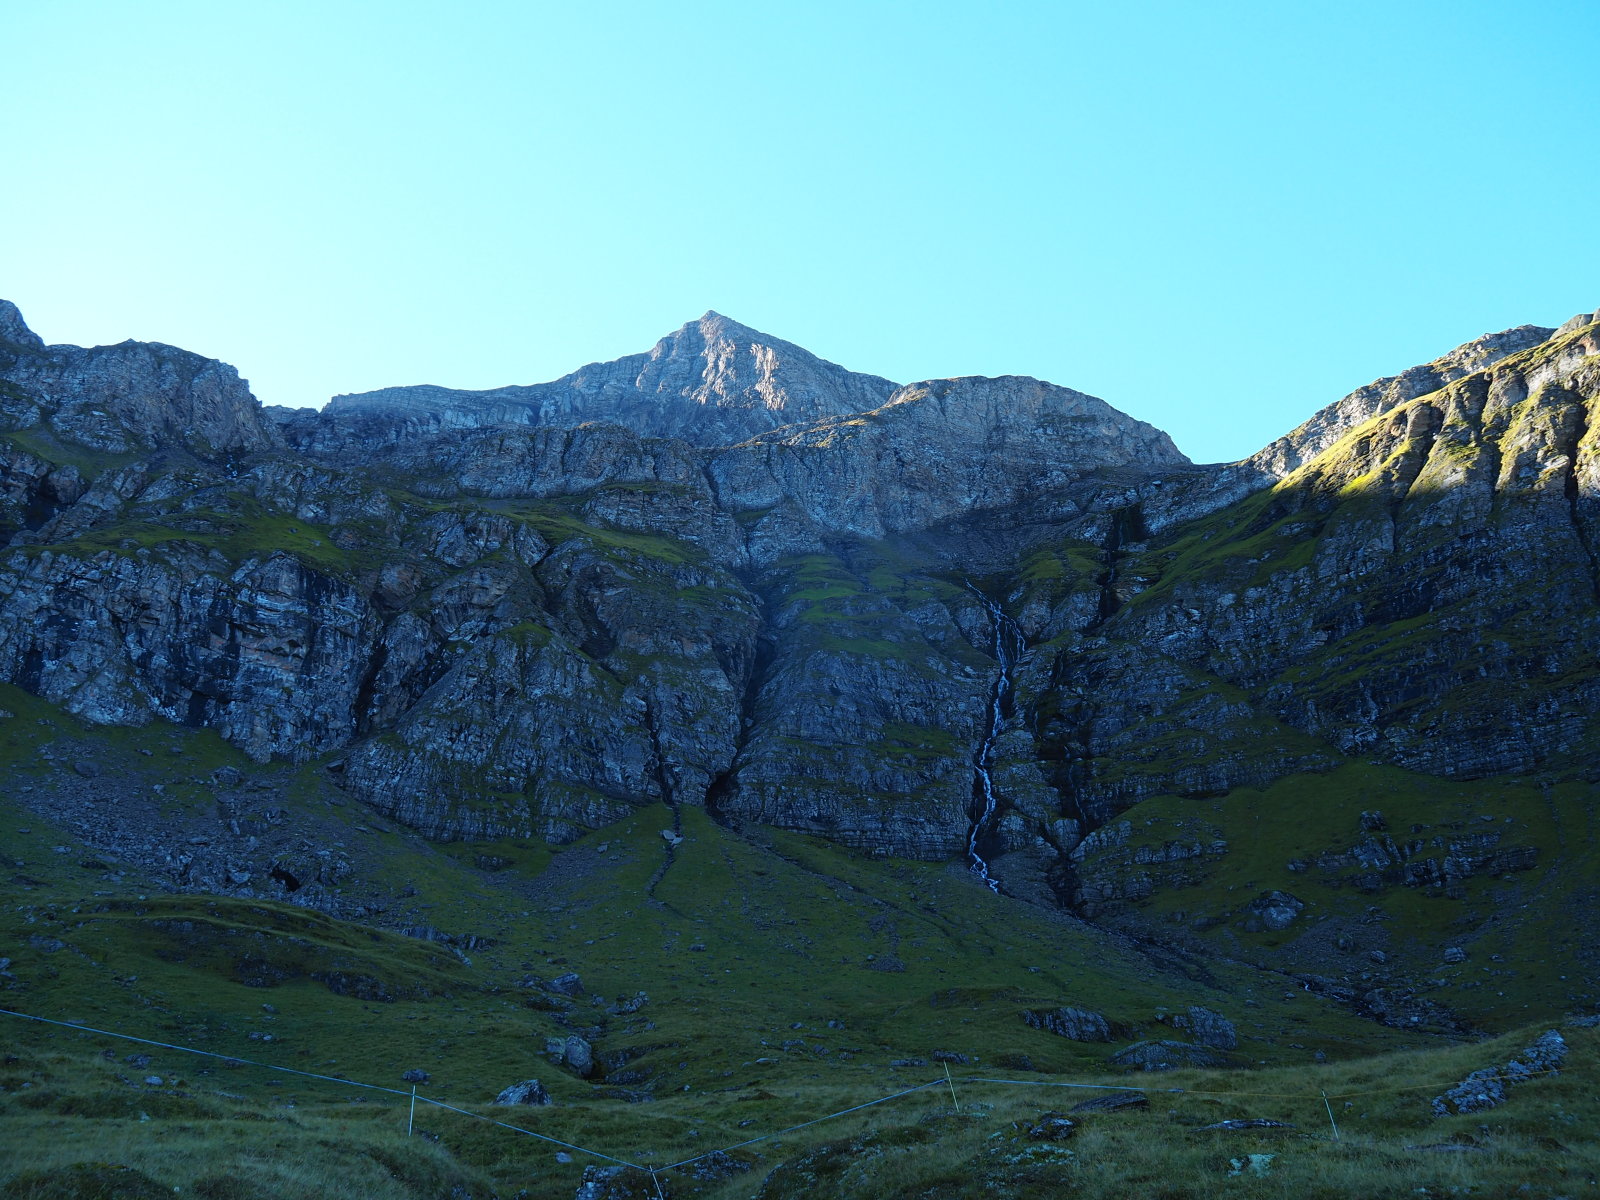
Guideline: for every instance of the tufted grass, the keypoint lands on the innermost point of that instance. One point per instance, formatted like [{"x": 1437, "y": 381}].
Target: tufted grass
[{"x": 306, "y": 1142}]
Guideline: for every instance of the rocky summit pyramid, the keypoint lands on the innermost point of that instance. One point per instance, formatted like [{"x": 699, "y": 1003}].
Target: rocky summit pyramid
[
  {"x": 1327, "y": 714},
  {"x": 713, "y": 382}
]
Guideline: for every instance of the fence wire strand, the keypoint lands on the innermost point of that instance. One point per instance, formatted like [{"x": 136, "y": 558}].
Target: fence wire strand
[{"x": 230, "y": 1058}]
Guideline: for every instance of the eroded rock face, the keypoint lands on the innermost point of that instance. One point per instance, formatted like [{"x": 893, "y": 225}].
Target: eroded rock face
[
  {"x": 119, "y": 639},
  {"x": 729, "y": 573},
  {"x": 129, "y": 398}
]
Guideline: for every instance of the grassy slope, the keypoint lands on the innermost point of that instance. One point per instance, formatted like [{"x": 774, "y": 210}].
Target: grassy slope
[
  {"x": 1390, "y": 1145},
  {"x": 1532, "y": 951},
  {"x": 739, "y": 939}
]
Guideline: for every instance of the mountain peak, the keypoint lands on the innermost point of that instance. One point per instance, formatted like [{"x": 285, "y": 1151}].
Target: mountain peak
[
  {"x": 713, "y": 381},
  {"x": 713, "y": 324}
]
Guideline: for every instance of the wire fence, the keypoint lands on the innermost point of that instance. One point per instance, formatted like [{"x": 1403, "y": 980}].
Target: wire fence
[{"x": 655, "y": 1171}]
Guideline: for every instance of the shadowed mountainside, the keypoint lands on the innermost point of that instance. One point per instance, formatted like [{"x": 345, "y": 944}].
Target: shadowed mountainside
[{"x": 729, "y": 576}]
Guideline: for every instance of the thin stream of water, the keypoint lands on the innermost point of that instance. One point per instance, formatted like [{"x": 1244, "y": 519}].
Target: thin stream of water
[{"x": 1008, "y": 647}]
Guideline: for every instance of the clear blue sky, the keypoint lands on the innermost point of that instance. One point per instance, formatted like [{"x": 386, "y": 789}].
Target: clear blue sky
[{"x": 1217, "y": 216}]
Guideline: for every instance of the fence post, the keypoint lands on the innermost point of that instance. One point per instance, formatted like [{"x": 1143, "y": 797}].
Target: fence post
[
  {"x": 659, "y": 1194},
  {"x": 952, "y": 1084},
  {"x": 412, "y": 1119},
  {"x": 1331, "y": 1121}
]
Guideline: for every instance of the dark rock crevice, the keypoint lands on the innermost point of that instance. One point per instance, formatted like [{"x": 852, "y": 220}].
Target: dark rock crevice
[
  {"x": 365, "y": 703},
  {"x": 1127, "y": 526},
  {"x": 724, "y": 786}
]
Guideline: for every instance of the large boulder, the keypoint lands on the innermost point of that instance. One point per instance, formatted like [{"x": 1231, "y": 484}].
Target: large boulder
[
  {"x": 1166, "y": 1056},
  {"x": 567, "y": 985},
  {"x": 1211, "y": 1028},
  {"x": 1275, "y": 910},
  {"x": 1078, "y": 1024},
  {"x": 578, "y": 1055},
  {"x": 529, "y": 1091},
  {"x": 1112, "y": 1102}
]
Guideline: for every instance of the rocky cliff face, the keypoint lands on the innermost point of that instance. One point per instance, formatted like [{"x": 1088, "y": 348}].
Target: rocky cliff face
[
  {"x": 135, "y": 397},
  {"x": 727, "y": 573},
  {"x": 937, "y": 450}
]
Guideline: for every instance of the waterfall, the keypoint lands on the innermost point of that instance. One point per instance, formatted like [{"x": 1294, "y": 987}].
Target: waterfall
[{"x": 1008, "y": 646}]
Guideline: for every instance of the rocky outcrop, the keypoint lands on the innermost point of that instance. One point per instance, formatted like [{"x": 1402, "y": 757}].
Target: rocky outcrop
[
  {"x": 1208, "y": 1027},
  {"x": 123, "y": 638},
  {"x": 529, "y": 1091},
  {"x": 33, "y": 490},
  {"x": 1076, "y": 1024},
  {"x": 1275, "y": 910},
  {"x": 626, "y": 690},
  {"x": 1112, "y": 1102},
  {"x": 1108, "y": 872},
  {"x": 1438, "y": 861},
  {"x": 1487, "y": 1088},
  {"x": 1423, "y": 591},
  {"x": 1165, "y": 1056},
  {"x": 129, "y": 398}
]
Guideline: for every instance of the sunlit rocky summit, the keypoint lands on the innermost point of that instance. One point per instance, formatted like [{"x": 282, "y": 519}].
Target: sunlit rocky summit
[{"x": 713, "y": 382}]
